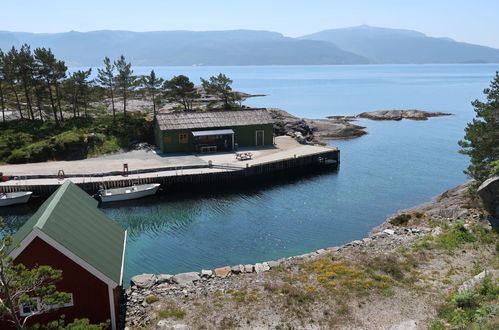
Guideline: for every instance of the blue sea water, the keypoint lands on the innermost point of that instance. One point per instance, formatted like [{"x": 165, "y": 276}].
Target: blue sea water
[{"x": 396, "y": 166}]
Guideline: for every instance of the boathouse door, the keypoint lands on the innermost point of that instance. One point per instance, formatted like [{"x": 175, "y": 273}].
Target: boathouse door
[{"x": 259, "y": 137}]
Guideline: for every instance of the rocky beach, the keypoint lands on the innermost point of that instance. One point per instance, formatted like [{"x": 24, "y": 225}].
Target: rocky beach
[{"x": 393, "y": 279}]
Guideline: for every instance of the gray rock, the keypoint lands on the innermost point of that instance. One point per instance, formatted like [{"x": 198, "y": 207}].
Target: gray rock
[
  {"x": 206, "y": 273},
  {"x": 489, "y": 194},
  {"x": 471, "y": 283},
  {"x": 248, "y": 268},
  {"x": 389, "y": 231},
  {"x": 169, "y": 324},
  {"x": 144, "y": 280},
  {"x": 273, "y": 263},
  {"x": 164, "y": 278},
  {"x": 186, "y": 278},
  {"x": 259, "y": 268},
  {"x": 237, "y": 269},
  {"x": 266, "y": 266},
  {"x": 321, "y": 251}
]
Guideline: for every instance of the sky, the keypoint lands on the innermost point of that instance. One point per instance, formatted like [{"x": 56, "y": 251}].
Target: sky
[{"x": 473, "y": 21}]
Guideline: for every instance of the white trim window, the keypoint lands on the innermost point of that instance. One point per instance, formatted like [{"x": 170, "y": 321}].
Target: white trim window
[{"x": 35, "y": 306}]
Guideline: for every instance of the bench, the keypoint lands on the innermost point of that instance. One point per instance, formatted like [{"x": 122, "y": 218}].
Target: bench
[{"x": 244, "y": 155}]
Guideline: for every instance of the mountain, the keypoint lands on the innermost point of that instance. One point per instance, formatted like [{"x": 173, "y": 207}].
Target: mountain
[
  {"x": 383, "y": 45},
  {"x": 238, "y": 47}
]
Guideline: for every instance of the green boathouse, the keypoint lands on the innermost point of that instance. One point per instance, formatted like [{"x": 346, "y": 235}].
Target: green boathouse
[{"x": 213, "y": 131}]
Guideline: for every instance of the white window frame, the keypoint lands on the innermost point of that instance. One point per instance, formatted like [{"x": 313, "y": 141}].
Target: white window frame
[{"x": 48, "y": 307}]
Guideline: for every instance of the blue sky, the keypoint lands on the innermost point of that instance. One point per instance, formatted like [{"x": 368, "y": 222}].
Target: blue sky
[{"x": 472, "y": 21}]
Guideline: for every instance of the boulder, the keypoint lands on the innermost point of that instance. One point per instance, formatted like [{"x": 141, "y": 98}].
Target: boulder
[
  {"x": 164, "y": 278},
  {"x": 223, "y": 271},
  {"x": 248, "y": 268},
  {"x": 389, "y": 231},
  {"x": 144, "y": 280},
  {"x": 471, "y": 283},
  {"x": 266, "y": 266},
  {"x": 186, "y": 278},
  {"x": 237, "y": 269},
  {"x": 206, "y": 273},
  {"x": 259, "y": 268},
  {"x": 273, "y": 263},
  {"x": 489, "y": 194}
]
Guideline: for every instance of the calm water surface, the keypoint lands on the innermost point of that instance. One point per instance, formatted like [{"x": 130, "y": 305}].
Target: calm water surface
[{"x": 398, "y": 165}]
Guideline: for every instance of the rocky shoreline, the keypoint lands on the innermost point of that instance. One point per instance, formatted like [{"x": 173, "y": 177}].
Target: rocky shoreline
[
  {"x": 311, "y": 131},
  {"x": 449, "y": 206}
]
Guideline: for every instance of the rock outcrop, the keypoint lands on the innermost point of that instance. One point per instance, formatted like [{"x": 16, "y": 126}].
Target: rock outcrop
[
  {"x": 308, "y": 131},
  {"x": 401, "y": 114},
  {"x": 489, "y": 194}
]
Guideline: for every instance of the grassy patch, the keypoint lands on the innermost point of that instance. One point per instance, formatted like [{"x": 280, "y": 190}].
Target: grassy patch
[
  {"x": 474, "y": 309},
  {"x": 401, "y": 219},
  {"x": 151, "y": 299},
  {"x": 170, "y": 311}
]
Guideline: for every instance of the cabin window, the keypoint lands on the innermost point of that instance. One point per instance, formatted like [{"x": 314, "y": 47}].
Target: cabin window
[
  {"x": 183, "y": 138},
  {"x": 34, "y": 306},
  {"x": 29, "y": 307}
]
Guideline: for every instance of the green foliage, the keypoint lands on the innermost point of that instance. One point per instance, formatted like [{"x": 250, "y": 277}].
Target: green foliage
[
  {"x": 482, "y": 134},
  {"x": 221, "y": 86},
  {"x": 401, "y": 219},
  {"x": 75, "y": 139},
  {"x": 181, "y": 90},
  {"x": 473, "y": 309},
  {"x": 151, "y": 299},
  {"x": 77, "y": 324},
  {"x": 20, "y": 285},
  {"x": 454, "y": 238}
]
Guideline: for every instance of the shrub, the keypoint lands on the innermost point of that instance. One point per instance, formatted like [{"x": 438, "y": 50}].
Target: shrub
[
  {"x": 401, "y": 219},
  {"x": 151, "y": 299},
  {"x": 454, "y": 238}
]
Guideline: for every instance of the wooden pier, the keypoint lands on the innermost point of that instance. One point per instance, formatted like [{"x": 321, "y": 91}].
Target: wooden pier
[{"x": 186, "y": 178}]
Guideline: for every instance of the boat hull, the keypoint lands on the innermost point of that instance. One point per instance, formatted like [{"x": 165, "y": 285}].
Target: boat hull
[
  {"x": 123, "y": 194},
  {"x": 20, "y": 197}
]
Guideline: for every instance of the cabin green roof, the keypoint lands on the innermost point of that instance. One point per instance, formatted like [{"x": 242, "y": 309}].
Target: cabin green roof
[{"x": 71, "y": 217}]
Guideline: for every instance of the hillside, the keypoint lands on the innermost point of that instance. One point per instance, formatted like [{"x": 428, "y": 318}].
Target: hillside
[
  {"x": 238, "y": 47},
  {"x": 382, "y": 45}
]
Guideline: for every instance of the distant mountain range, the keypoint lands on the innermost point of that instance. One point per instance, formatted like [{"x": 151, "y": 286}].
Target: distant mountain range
[{"x": 357, "y": 45}]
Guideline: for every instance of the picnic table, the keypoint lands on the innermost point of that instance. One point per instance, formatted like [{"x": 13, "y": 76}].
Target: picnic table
[{"x": 243, "y": 155}]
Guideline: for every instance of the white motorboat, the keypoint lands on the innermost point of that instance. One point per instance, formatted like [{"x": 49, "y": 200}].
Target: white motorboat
[
  {"x": 126, "y": 193},
  {"x": 19, "y": 197}
]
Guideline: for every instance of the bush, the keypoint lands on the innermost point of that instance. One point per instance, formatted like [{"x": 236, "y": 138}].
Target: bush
[
  {"x": 454, "y": 238},
  {"x": 151, "y": 299},
  {"x": 401, "y": 219}
]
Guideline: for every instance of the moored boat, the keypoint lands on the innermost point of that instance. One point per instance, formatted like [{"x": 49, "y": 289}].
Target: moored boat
[
  {"x": 126, "y": 193},
  {"x": 19, "y": 197}
]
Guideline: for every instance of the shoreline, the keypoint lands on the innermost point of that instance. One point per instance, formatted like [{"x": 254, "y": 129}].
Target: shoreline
[{"x": 385, "y": 238}]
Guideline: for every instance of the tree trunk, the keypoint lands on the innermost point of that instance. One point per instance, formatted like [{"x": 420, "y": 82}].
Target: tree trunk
[
  {"x": 17, "y": 101},
  {"x": 54, "y": 109},
  {"x": 57, "y": 95},
  {"x": 2, "y": 103},
  {"x": 124, "y": 104},
  {"x": 112, "y": 103},
  {"x": 38, "y": 104},
  {"x": 153, "y": 104},
  {"x": 28, "y": 100}
]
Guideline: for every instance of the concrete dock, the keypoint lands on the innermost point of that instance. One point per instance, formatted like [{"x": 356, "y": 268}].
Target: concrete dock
[{"x": 179, "y": 169}]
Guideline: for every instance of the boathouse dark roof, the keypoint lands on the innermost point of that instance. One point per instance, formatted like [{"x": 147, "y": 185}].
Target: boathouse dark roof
[
  {"x": 71, "y": 218},
  {"x": 211, "y": 119}
]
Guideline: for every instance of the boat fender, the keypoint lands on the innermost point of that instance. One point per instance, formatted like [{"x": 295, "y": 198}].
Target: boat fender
[{"x": 60, "y": 175}]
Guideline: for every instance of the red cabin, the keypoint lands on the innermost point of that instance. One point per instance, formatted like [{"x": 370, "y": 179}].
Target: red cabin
[{"x": 69, "y": 232}]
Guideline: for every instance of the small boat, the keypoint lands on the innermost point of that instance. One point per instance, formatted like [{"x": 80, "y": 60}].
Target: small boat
[
  {"x": 126, "y": 193},
  {"x": 19, "y": 197}
]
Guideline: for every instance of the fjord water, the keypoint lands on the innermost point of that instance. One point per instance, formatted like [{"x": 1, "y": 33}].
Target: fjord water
[{"x": 396, "y": 166}]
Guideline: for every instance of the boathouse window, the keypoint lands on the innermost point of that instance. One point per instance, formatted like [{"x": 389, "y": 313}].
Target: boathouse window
[{"x": 183, "y": 138}]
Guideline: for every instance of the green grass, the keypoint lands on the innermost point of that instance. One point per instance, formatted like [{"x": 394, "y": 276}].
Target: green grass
[
  {"x": 401, "y": 219},
  {"x": 474, "y": 309},
  {"x": 172, "y": 312}
]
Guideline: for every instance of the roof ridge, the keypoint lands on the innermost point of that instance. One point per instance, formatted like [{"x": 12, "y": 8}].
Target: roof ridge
[{"x": 52, "y": 204}]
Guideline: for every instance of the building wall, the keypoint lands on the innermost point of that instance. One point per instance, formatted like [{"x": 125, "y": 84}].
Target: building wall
[
  {"x": 168, "y": 140},
  {"x": 90, "y": 295}
]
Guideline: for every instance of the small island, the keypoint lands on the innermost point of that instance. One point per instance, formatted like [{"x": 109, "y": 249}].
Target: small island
[{"x": 401, "y": 114}]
